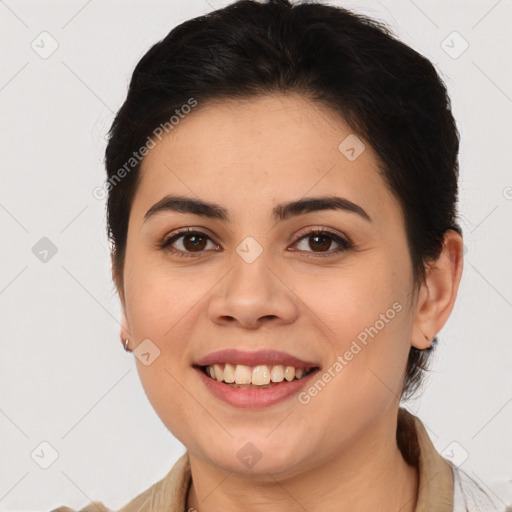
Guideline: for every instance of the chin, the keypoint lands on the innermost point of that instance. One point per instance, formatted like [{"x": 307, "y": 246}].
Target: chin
[{"x": 253, "y": 455}]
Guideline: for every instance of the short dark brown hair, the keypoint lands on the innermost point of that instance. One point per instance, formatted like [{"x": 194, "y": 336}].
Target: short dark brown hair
[{"x": 388, "y": 93}]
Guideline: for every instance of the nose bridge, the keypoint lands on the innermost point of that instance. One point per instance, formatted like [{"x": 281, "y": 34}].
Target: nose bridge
[
  {"x": 251, "y": 273},
  {"x": 251, "y": 289}
]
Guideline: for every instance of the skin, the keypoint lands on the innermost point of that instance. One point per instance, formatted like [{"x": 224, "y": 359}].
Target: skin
[{"x": 339, "y": 451}]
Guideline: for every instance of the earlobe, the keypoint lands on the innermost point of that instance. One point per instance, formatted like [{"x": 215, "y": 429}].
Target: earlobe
[
  {"x": 439, "y": 291},
  {"x": 125, "y": 332}
]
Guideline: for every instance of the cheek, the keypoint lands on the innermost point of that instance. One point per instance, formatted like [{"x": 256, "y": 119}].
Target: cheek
[
  {"x": 161, "y": 308},
  {"x": 364, "y": 321},
  {"x": 160, "y": 305},
  {"x": 349, "y": 299}
]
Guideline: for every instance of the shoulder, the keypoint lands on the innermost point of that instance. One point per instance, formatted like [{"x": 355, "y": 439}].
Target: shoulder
[
  {"x": 469, "y": 496},
  {"x": 137, "y": 504},
  {"x": 94, "y": 506},
  {"x": 169, "y": 493}
]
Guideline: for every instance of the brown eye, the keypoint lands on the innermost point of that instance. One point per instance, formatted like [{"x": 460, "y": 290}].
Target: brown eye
[
  {"x": 194, "y": 242},
  {"x": 320, "y": 241},
  {"x": 187, "y": 242}
]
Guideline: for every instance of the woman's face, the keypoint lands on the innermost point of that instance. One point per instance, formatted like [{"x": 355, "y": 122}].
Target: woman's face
[{"x": 342, "y": 305}]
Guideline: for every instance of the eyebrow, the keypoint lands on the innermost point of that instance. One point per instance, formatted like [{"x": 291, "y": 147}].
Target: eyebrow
[{"x": 281, "y": 212}]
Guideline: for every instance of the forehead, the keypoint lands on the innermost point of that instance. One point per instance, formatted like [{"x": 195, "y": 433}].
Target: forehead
[{"x": 248, "y": 152}]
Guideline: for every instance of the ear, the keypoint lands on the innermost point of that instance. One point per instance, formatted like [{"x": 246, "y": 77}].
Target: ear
[
  {"x": 118, "y": 282},
  {"x": 125, "y": 330},
  {"x": 439, "y": 291}
]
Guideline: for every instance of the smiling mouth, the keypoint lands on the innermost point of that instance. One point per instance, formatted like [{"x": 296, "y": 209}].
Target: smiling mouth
[{"x": 254, "y": 377}]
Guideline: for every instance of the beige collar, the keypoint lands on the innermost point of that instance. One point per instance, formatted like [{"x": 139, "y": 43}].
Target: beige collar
[{"x": 435, "y": 473}]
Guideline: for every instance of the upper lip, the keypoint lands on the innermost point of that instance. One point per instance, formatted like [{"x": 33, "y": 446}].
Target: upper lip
[{"x": 259, "y": 357}]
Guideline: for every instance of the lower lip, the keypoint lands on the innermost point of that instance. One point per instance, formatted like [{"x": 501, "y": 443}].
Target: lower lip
[{"x": 254, "y": 398}]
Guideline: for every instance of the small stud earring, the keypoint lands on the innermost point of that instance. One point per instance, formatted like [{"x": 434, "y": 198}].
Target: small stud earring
[
  {"x": 431, "y": 341},
  {"x": 125, "y": 344}
]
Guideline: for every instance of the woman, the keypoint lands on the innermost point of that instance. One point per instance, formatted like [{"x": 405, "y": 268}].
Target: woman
[{"x": 282, "y": 186}]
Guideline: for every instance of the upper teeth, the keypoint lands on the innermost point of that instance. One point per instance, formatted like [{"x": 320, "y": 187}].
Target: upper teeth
[{"x": 258, "y": 375}]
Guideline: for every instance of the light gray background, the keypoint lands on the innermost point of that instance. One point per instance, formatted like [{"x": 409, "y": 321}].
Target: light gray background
[{"x": 64, "y": 377}]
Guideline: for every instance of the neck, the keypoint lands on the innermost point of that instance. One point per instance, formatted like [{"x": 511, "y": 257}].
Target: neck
[{"x": 370, "y": 475}]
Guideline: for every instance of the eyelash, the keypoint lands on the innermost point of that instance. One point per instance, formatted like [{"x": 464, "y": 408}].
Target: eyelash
[{"x": 344, "y": 244}]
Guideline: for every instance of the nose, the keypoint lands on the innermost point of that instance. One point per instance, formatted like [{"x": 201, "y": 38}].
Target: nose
[{"x": 252, "y": 295}]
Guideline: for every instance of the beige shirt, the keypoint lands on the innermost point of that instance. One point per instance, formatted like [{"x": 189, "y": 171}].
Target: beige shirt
[{"x": 442, "y": 487}]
